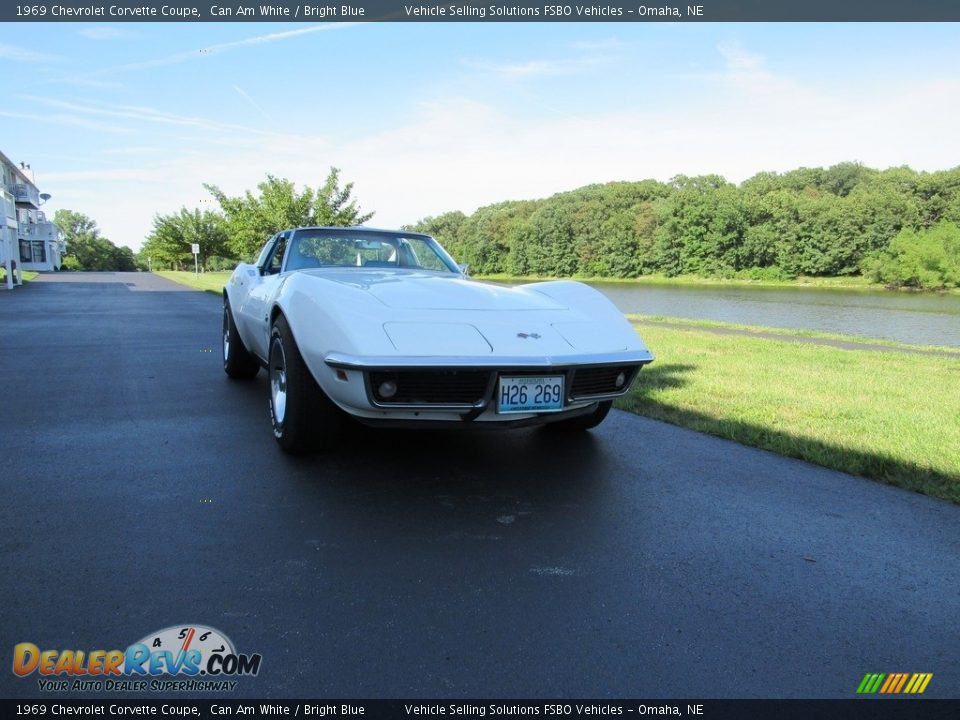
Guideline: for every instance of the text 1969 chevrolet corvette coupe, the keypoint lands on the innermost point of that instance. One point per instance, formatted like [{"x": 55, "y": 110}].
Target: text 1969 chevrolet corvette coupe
[{"x": 384, "y": 326}]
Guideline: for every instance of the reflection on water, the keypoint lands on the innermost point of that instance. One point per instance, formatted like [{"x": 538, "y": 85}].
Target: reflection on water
[{"x": 925, "y": 319}]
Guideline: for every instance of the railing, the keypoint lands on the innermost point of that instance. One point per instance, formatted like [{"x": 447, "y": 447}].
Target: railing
[
  {"x": 24, "y": 193},
  {"x": 40, "y": 231},
  {"x": 9, "y": 209}
]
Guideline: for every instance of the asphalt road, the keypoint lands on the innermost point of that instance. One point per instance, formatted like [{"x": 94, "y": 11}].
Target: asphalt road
[{"x": 143, "y": 489}]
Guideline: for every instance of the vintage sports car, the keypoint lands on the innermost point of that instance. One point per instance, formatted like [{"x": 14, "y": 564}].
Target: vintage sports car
[{"x": 383, "y": 326}]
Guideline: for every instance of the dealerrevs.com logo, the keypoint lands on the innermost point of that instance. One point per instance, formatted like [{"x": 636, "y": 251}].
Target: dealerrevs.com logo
[{"x": 178, "y": 658}]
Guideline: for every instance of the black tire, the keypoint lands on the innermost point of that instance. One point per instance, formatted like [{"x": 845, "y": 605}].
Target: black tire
[
  {"x": 303, "y": 417},
  {"x": 238, "y": 363},
  {"x": 583, "y": 422}
]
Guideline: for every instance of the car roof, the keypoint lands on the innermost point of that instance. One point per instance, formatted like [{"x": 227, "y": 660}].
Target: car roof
[{"x": 359, "y": 228}]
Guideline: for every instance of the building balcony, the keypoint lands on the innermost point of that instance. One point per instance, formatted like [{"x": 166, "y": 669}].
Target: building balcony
[
  {"x": 8, "y": 213},
  {"x": 25, "y": 193},
  {"x": 40, "y": 231}
]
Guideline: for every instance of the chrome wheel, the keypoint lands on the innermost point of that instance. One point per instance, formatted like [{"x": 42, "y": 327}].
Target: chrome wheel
[
  {"x": 278, "y": 381},
  {"x": 226, "y": 333}
]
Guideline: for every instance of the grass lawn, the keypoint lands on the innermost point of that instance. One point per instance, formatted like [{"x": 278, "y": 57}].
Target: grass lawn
[
  {"x": 28, "y": 275},
  {"x": 890, "y": 416},
  {"x": 208, "y": 281}
]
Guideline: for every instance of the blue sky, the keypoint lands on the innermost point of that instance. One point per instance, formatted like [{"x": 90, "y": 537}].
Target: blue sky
[{"x": 124, "y": 120}]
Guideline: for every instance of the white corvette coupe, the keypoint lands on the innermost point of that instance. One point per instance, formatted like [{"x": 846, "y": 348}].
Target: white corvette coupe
[{"x": 383, "y": 326}]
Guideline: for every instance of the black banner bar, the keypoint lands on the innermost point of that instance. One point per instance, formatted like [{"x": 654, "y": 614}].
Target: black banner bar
[
  {"x": 873, "y": 708},
  {"x": 311, "y": 11}
]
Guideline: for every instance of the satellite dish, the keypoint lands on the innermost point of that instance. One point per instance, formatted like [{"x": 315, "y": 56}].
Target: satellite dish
[{"x": 45, "y": 196}]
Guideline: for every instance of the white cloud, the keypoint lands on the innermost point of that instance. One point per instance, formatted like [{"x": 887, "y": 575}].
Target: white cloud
[
  {"x": 218, "y": 48},
  {"x": 20, "y": 54},
  {"x": 535, "y": 68},
  {"x": 611, "y": 43},
  {"x": 103, "y": 32},
  {"x": 69, "y": 120},
  {"x": 254, "y": 103},
  {"x": 144, "y": 114}
]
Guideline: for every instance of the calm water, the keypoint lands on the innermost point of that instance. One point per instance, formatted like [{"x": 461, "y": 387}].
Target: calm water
[{"x": 911, "y": 318}]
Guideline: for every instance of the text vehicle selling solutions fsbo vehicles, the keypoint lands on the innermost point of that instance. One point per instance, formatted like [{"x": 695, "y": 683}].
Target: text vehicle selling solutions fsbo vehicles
[{"x": 385, "y": 327}]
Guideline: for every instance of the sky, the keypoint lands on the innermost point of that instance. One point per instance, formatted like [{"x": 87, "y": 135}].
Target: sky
[{"x": 126, "y": 120}]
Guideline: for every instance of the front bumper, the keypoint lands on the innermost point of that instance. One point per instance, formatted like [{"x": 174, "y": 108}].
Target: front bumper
[{"x": 465, "y": 387}]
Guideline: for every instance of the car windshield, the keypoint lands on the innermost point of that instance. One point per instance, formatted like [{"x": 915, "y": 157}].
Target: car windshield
[{"x": 345, "y": 248}]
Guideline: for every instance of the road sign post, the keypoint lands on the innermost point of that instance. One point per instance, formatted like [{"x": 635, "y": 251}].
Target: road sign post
[{"x": 195, "y": 249}]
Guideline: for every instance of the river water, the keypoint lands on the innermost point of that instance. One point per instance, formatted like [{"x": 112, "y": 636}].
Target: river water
[{"x": 922, "y": 318}]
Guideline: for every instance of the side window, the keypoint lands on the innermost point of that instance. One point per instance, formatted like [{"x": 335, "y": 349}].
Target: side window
[
  {"x": 276, "y": 258},
  {"x": 265, "y": 253}
]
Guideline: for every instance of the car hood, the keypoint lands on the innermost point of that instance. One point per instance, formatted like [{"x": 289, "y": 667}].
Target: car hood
[{"x": 411, "y": 290}]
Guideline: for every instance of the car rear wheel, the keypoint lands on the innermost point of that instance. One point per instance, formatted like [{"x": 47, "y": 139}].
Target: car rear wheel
[
  {"x": 583, "y": 422},
  {"x": 238, "y": 363},
  {"x": 303, "y": 417}
]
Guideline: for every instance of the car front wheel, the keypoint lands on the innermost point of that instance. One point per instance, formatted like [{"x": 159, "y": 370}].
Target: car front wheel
[
  {"x": 303, "y": 417},
  {"x": 238, "y": 363}
]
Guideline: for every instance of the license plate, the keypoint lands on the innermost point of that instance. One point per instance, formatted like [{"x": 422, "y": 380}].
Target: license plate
[{"x": 522, "y": 393}]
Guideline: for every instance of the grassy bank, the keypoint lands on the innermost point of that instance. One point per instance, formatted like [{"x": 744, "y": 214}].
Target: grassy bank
[
  {"x": 789, "y": 332},
  {"x": 883, "y": 415},
  {"x": 835, "y": 283},
  {"x": 208, "y": 281}
]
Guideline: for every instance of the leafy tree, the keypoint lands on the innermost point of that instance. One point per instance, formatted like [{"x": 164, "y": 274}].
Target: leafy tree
[
  {"x": 251, "y": 219},
  {"x": 445, "y": 228},
  {"x": 168, "y": 245},
  {"x": 86, "y": 248},
  {"x": 927, "y": 258}
]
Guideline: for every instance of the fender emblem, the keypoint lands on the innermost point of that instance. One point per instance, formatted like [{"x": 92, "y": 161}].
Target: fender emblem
[{"x": 532, "y": 336}]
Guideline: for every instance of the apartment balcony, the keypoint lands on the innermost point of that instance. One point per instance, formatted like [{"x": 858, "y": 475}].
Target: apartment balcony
[
  {"x": 40, "y": 231},
  {"x": 8, "y": 213},
  {"x": 24, "y": 193}
]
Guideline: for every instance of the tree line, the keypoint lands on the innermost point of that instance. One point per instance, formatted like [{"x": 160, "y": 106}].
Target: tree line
[{"x": 897, "y": 226}]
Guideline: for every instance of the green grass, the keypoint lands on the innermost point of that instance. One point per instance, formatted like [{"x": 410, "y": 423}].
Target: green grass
[
  {"x": 208, "y": 281},
  {"x": 28, "y": 275},
  {"x": 883, "y": 415}
]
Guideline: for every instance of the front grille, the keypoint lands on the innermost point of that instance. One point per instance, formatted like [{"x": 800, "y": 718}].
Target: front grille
[
  {"x": 600, "y": 380},
  {"x": 431, "y": 387}
]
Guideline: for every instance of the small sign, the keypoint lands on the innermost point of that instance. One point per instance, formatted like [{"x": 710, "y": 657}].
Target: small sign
[{"x": 195, "y": 248}]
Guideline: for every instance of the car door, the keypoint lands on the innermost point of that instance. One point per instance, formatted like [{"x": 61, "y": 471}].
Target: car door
[{"x": 255, "y": 313}]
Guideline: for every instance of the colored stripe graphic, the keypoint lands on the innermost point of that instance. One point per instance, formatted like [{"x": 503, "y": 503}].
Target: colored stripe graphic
[
  {"x": 894, "y": 683},
  {"x": 870, "y": 683}
]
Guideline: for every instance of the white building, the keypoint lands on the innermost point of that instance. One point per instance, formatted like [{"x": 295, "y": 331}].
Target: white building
[{"x": 28, "y": 241}]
